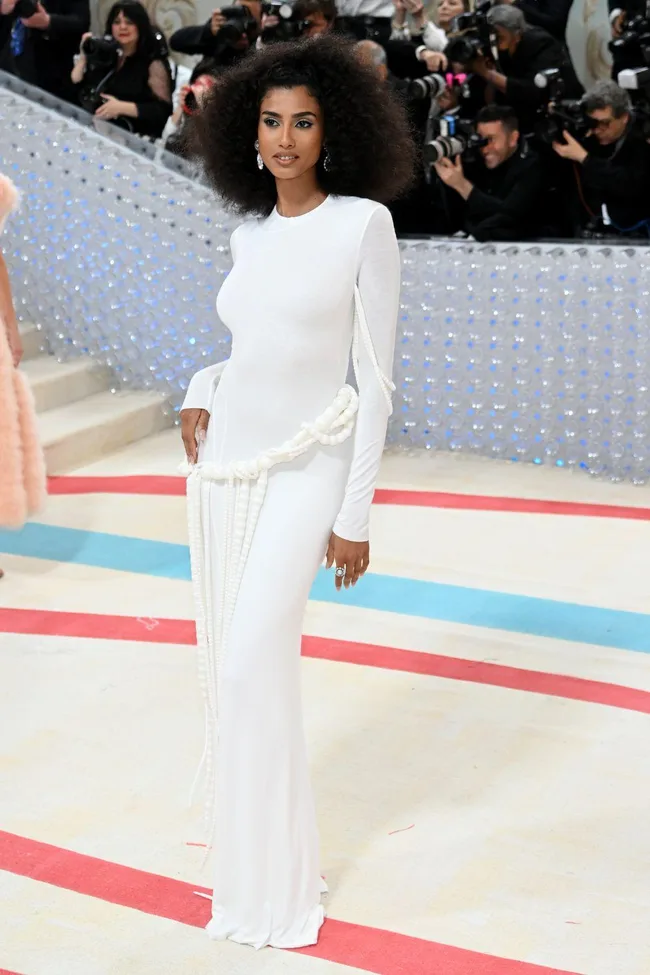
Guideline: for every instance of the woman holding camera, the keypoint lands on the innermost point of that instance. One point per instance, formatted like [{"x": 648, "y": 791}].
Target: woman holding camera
[
  {"x": 283, "y": 454},
  {"x": 137, "y": 94}
]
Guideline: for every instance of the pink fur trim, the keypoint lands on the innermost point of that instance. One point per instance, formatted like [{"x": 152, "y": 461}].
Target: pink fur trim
[
  {"x": 22, "y": 466},
  {"x": 34, "y": 477},
  {"x": 9, "y": 199}
]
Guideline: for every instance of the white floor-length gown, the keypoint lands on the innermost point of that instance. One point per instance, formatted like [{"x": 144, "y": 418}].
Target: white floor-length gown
[{"x": 291, "y": 454}]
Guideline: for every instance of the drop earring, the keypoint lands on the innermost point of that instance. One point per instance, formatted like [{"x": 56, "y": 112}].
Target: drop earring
[
  {"x": 327, "y": 161},
  {"x": 260, "y": 161}
]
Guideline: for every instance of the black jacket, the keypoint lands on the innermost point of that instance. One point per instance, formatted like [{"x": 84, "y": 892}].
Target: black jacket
[
  {"x": 199, "y": 39},
  {"x": 552, "y": 15},
  {"x": 505, "y": 203},
  {"x": 46, "y": 60},
  {"x": 536, "y": 52},
  {"x": 619, "y": 177}
]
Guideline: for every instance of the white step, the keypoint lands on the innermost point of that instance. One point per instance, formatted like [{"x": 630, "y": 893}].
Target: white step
[
  {"x": 56, "y": 383},
  {"x": 81, "y": 432},
  {"x": 34, "y": 341}
]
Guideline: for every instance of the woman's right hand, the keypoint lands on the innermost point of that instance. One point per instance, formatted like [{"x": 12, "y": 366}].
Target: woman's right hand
[{"x": 194, "y": 426}]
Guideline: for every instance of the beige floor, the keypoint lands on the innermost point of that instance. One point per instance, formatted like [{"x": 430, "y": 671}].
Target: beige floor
[{"x": 529, "y": 832}]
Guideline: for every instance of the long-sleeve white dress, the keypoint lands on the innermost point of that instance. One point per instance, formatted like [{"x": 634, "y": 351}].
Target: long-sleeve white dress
[{"x": 292, "y": 454}]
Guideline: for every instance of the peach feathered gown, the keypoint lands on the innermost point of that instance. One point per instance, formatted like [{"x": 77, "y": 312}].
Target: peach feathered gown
[{"x": 22, "y": 468}]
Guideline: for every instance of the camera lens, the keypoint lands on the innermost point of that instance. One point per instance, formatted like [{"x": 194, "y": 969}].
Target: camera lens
[{"x": 444, "y": 147}]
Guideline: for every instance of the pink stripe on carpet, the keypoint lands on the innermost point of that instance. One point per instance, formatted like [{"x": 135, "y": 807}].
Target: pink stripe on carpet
[
  {"x": 162, "y": 484},
  {"x": 354, "y": 945},
  {"x": 144, "y": 629}
]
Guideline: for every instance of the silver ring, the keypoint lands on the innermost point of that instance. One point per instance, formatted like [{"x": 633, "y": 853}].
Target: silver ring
[{"x": 340, "y": 572}]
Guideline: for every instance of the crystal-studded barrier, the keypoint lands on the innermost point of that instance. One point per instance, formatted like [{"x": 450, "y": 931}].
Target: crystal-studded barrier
[{"x": 525, "y": 352}]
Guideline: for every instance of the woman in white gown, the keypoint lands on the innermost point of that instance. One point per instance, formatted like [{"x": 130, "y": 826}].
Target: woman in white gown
[{"x": 282, "y": 476}]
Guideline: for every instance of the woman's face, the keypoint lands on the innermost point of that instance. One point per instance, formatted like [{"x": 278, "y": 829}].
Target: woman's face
[
  {"x": 124, "y": 31},
  {"x": 447, "y": 10},
  {"x": 290, "y": 132}
]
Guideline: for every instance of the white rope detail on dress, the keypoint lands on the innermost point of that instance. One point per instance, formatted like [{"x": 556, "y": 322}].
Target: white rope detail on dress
[
  {"x": 361, "y": 326},
  {"x": 242, "y": 507}
]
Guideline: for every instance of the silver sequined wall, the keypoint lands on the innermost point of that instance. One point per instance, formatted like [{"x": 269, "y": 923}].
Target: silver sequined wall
[{"x": 530, "y": 353}]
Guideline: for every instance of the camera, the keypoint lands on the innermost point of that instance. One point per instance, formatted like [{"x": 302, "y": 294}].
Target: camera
[
  {"x": 102, "y": 58},
  {"x": 289, "y": 28},
  {"x": 101, "y": 53},
  {"x": 239, "y": 21},
  {"x": 471, "y": 35},
  {"x": 632, "y": 48},
  {"x": 559, "y": 115},
  {"x": 454, "y": 137},
  {"x": 636, "y": 81},
  {"x": 430, "y": 86},
  {"x": 25, "y": 9}
]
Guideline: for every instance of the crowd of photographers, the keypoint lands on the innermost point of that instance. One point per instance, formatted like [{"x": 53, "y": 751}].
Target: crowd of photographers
[{"x": 512, "y": 147}]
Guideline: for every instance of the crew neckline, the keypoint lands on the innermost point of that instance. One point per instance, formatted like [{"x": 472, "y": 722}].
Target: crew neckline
[{"x": 300, "y": 216}]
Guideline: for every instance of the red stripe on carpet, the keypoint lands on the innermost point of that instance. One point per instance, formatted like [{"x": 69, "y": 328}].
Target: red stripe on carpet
[
  {"x": 478, "y": 502},
  {"x": 161, "y": 484},
  {"x": 124, "y": 484},
  {"x": 369, "y": 949},
  {"x": 147, "y": 630}
]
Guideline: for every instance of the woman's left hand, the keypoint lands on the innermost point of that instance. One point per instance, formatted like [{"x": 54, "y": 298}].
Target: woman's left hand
[
  {"x": 354, "y": 557},
  {"x": 112, "y": 108}
]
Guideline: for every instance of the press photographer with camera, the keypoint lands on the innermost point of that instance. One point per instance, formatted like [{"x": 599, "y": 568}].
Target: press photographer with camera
[
  {"x": 39, "y": 40},
  {"x": 284, "y": 21},
  {"x": 227, "y": 37},
  {"x": 552, "y": 15},
  {"x": 613, "y": 170},
  {"x": 503, "y": 198},
  {"x": 414, "y": 212},
  {"x": 522, "y": 52},
  {"x": 125, "y": 77}
]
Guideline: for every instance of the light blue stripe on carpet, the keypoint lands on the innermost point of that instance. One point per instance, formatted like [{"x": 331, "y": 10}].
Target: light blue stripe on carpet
[{"x": 413, "y": 597}]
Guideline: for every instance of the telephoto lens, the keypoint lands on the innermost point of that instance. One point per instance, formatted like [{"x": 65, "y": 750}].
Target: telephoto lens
[
  {"x": 444, "y": 147},
  {"x": 430, "y": 86}
]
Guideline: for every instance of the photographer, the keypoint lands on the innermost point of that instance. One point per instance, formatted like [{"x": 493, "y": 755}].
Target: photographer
[
  {"x": 305, "y": 18},
  {"x": 226, "y": 38},
  {"x": 504, "y": 199},
  {"x": 38, "y": 42},
  {"x": 126, "y": 78},
  {"x": 415, "y": 212},
  {"x": 614, "y": 172},
  {"x": 523, "y": 53},
  {"x": 552, "y": 15}
]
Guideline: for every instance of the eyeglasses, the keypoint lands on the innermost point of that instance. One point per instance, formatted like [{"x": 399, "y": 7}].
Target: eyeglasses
[{"x": 600, "y": 124}]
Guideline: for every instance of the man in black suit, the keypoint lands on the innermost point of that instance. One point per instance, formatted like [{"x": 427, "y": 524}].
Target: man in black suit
[
  {"x": 40, "y": 48},
  {"x": 552, "y": 15},
  {"x": 523, "y": 53},
  {"x": 613, "y": 168},
  {"x": 503, "y": 198}
]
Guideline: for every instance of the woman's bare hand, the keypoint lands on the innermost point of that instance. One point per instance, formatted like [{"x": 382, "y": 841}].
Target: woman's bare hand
[
  {"x": 194, "y": 426},
  {"x": 354, "y": 557}
]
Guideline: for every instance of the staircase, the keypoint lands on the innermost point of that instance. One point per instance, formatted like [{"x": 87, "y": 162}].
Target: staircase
[{"x": 79, "y": 419}]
